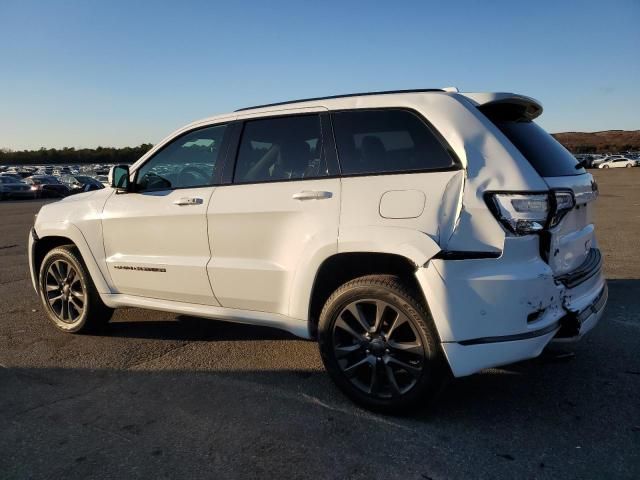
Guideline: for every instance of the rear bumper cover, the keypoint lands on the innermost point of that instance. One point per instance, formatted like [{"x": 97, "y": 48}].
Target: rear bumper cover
[{"x": 492, "y": 312}]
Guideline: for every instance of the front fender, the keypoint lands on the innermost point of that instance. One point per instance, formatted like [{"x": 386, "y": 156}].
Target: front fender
[{"x": 68, "y": 230}]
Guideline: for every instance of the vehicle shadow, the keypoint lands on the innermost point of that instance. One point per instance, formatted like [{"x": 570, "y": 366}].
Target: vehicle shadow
[
  {"x": 568, "y": 381},
  {"x": 561, "y": 378},
  {"x": 188, "y": 328},
  {"x": 576, "y": 414}
]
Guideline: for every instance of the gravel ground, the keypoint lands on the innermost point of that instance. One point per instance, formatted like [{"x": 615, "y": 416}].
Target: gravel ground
[{"x": 165, "y": 396}]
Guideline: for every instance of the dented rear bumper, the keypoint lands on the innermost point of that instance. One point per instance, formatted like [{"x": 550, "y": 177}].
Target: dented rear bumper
[{"x": 496, "y": 311}]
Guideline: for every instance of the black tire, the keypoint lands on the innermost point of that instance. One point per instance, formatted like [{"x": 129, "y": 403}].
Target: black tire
[
  {"x": 605, "y": 166},
  {"x": 628, "y": 165},
  {"x": 386, "y": 299},
  {"x": 85, "y": 312}
]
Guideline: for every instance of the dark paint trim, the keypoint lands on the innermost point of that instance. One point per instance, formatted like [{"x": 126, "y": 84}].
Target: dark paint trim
[
  {"x": 460, "y": 255},
  {"x": 512, "y": 338}
]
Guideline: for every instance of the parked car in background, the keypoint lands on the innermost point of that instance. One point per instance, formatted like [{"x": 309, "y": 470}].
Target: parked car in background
[
  {"x": 80, "y": 183},
  {"x": 618, "y": 162},
  {"x": 11, "y": 187},
  {"x": 47, "y": 186},
  {"x": 103, "y": 179},
  {"x": 11, "y": 175}
]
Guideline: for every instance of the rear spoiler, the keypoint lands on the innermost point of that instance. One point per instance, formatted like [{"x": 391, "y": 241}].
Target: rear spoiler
[{"x": 511, "y": 105}]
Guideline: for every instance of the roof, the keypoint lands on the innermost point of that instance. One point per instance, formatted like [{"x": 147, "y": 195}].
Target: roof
[{"x": 347, "y": 95}]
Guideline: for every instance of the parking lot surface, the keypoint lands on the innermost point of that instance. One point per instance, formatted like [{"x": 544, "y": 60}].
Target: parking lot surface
[{"x": 165, "y": 396}]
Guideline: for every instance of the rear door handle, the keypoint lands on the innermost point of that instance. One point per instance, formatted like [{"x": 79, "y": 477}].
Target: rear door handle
[
  {"x": 188, "y": 201},
  {"x": 312, "y": 195}
]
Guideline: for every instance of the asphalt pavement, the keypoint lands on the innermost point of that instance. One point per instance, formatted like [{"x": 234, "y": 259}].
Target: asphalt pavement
[{"x": 165, "y": 396}]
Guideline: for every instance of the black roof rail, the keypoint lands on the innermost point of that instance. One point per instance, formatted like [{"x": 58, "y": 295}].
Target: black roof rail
[{"x": 416, "y": 90}]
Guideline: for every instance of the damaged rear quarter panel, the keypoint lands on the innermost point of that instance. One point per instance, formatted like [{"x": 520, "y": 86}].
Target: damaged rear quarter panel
[
  {"x": 471, "y": 299},
  {"x": 491, "y": 163}
]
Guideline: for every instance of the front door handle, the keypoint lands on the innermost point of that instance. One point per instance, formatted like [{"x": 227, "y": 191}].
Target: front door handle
[
  {"x": 188, "y": 201},
  {"x": 312, "y": 195}
]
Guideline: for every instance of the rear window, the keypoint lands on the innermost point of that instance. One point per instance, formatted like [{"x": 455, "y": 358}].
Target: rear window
[
  {"x": 379, "y": 141},
  {"x": 545, "y": 153}
]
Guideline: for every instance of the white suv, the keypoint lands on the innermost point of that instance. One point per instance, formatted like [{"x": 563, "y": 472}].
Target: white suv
[{"x": 413, "y": 233}]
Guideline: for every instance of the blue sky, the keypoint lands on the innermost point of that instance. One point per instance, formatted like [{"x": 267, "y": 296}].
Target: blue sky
[{"x": 117, "y": 73}]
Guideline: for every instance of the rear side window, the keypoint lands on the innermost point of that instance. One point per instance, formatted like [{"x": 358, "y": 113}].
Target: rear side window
[
  {"x": 379, "y": 141},
  {"x": 279, "y": 149},
  {"x": 546, "y": 155}
]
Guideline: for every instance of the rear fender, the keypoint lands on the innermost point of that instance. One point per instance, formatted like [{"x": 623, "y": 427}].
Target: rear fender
[{"x": 409, "y": 243}]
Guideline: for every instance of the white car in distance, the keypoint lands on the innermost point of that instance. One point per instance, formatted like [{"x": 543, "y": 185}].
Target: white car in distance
[
  {"x": 618, "y": 162},
  {"x": 413, "y": 234}
]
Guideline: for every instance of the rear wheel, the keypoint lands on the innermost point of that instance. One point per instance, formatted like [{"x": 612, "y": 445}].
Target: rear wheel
[
  {"x": 68, "y": 294},
  {"x": 379, "y": 344}
]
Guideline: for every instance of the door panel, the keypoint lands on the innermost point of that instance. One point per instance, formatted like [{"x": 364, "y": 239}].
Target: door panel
[
  {"x": 156, "y": 244},
  {"x": 260, "y": 233}
]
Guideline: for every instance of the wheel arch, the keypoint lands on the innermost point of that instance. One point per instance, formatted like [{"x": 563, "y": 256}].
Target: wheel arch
[
  {"x": 56, "y": 235},
  {"x": 343, "y": 267}
]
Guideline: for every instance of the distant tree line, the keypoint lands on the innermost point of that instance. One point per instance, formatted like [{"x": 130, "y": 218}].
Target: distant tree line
[
  {"x": 608, "y": 141},
  {"x": 574, "y": 142},
  {"x": 604, "y": 148},
  {"x": 70, "y": 155}
]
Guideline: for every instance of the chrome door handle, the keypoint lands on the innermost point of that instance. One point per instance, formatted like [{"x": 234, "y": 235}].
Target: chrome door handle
[
  {"x": 312, "y": 195},
  {"x": 188, "y": 201}
]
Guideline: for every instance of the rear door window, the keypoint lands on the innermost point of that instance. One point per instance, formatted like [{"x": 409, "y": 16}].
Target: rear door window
[
  {"x": 279, "y": 149},
  {"x": 387, "y": 141}
]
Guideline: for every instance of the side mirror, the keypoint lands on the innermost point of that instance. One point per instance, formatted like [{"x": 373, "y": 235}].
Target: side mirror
[{"x": 119, "y": 177}]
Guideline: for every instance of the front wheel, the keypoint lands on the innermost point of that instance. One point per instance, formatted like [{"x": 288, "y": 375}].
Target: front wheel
[
  {"x": 68, "y": 294},
  {"x": 605, "y": 166},
  {"x": 379, "y": 344},
  {"x": 628, "y": 165}
]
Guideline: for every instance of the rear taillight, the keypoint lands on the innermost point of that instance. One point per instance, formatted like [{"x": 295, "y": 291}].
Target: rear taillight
[
  {"x": 527, "y": 213},
  {"x": 563, "y": 202}
]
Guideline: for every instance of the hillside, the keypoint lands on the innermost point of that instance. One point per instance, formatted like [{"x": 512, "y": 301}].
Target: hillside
[{"x": 608, "y": 141}]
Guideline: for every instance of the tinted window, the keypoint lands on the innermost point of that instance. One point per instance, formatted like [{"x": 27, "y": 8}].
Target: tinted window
[
  {"x": 546, "y": 155},
  {"x": 285, "y": 148},
  {"x": 188, "y": 161},
  {"x": 373, "y": 141}
]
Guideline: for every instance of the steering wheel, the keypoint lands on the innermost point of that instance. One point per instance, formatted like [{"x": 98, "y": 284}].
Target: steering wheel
[{"x": 190, "y": 176}]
